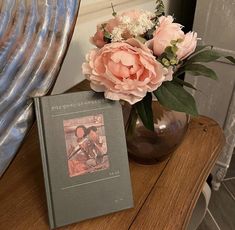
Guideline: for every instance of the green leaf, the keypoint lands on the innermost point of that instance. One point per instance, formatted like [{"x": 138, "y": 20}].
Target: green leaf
[
  {"x": 169, "y": 57},
  {"x": 205, "y": 56},
  {"x": 160, "y": 8},
  {"x": 183, "y": 83},
  {"x": 197, "y": 70},
  {"x": 131, "y": 123},
  {"x": 107, "y": 34},
  {"x": 202, "y": 47},
  {"x": 175, "y": 97},
  {"x": 149, "y": 34},
  {"x": 200, "y": 70},
  {"x": 144, "y": 110},
  {"x": 230, "y": 58}
]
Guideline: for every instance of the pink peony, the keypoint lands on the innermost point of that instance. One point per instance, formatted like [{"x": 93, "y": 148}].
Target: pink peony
[
  {"x": 124, "y": 70},
  {"x": 166, "y": 32},
  {"x": 187, "y": 46}
]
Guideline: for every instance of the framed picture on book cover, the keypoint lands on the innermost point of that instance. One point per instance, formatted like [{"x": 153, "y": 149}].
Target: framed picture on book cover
[
  {"x": 86, "y": 144},
  {"x": 84, "y": 156}
]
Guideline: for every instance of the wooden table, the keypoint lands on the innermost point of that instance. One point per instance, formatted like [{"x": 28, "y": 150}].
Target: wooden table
[{"x": 164, "y": 194}]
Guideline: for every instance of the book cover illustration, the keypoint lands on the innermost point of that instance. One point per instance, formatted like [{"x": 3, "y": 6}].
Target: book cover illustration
[{"x": 86, "y": 145}]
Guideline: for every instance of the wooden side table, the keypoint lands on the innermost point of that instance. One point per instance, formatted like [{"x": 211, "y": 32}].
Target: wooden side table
[{"x": 164, "y": 194}]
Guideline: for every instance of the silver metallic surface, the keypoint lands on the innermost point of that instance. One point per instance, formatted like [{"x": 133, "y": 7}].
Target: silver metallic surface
[{"x": 34, "y": 37}]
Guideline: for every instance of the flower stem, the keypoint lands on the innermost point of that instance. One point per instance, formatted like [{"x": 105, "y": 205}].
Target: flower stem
[
  {"x": 131, "y": 123},
  {"x": 114, "y": 12}
]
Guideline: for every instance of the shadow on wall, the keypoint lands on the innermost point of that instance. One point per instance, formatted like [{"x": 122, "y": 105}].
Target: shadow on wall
[
  {"x": 183, "y": 11},
  {"x": 72, "y": 66}
]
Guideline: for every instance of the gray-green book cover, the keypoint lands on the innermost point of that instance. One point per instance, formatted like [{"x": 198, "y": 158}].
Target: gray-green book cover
[{"x": 84, "y": 156}]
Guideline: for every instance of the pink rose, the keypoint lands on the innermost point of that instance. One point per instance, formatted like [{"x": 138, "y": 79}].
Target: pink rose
[
  {"x": 98, "y": 38},
  {"x": 166, "y": 32},
  {"x": 124, "y": 70},
  {"x": 187, "y": 46}
]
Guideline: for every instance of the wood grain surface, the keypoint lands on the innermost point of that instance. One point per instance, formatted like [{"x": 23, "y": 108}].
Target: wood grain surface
[{"x": 164, "y": 193}]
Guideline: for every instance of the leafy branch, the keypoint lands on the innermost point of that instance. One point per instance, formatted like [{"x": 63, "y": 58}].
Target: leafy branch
[
  {"x": 159, "y": 9},
  {"x": 172, "y": 94},
  {"x": 169, "y": 56},
  {"x": 203, "y": 54},
  {"x": 114, "y": 12}
]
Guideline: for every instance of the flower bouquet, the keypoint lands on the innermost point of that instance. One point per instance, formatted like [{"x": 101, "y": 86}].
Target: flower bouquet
[{"x": 140, "y": 55}]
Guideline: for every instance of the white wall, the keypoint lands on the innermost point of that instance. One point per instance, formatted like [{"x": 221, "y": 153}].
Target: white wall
[{"x": 91, "y": 13}]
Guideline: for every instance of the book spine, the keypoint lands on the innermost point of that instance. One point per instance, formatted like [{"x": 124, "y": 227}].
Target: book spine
[{"x": 37, "y": 103}]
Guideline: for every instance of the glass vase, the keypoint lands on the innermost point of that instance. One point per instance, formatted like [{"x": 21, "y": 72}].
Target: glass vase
[{"x": 149, "y": 147}]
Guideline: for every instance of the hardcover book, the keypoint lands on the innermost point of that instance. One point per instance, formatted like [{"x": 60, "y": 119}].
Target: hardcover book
[{"x": 84, "y": 156}]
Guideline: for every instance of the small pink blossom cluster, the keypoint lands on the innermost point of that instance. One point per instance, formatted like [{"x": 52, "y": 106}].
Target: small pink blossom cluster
[{"x": 125, "y": 66}]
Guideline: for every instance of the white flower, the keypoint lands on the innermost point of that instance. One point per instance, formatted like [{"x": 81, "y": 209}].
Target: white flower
[
  {"x": 125, "y": 19},
  {"x": 116, "y": 34},
  {"x": 132, "y": 23},
  {"x": 145, "y": 22},
  {"x": 141, "y": 26}
]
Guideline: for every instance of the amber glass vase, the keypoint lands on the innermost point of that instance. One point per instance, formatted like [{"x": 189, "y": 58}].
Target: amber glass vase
[{"x": 148, "y": 147}]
